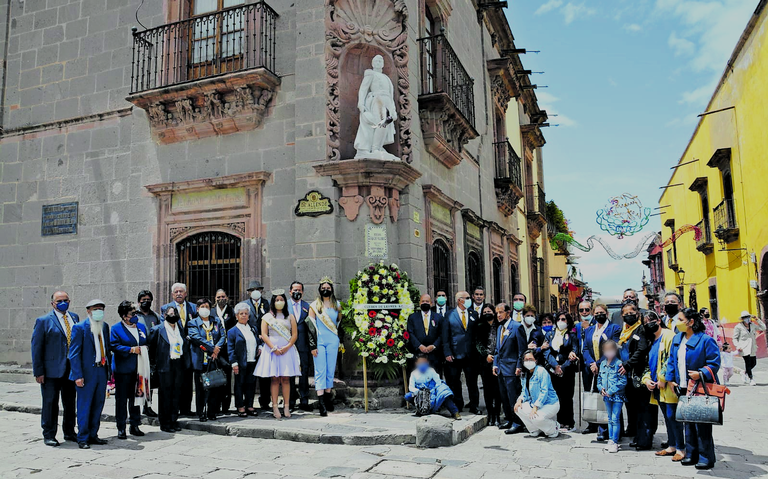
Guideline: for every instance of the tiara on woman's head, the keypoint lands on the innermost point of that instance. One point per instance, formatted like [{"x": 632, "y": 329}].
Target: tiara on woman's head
[
  {"x": 278, "y": 292},
  {"x": 326, "y": 279}
]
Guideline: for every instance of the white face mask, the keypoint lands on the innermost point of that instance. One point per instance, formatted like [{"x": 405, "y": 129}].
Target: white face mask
[
  {"x": 204, "y": 312},
  {"x": 561, "y": 325},
  {"x": 529, "y": 365},
  {"x": 97, "y": 315},
  {"x": 255, "y": 295},
  {"x": 529, "y": 320}
]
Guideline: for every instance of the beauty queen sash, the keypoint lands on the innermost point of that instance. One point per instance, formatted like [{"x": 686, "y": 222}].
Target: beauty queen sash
[
  {"x": 279, "y": 328},
  {"x": 318, "y": 306}
]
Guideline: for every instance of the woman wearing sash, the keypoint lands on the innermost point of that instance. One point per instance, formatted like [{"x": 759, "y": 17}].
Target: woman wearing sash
[
  {"x": 279, "y": 357},
  {"x": 322, "y": 330}
]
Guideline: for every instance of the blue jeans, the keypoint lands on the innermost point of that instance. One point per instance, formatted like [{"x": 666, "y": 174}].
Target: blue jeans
[
  {"x": 675, "y": 430},
  {"x": 614, "y": 413}
]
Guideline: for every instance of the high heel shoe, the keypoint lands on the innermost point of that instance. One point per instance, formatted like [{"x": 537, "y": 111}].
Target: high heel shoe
[
  {"x": 328, "y": 397},
  {"x": 276, "y": 412},
  {"x": 287, "y": 411}
]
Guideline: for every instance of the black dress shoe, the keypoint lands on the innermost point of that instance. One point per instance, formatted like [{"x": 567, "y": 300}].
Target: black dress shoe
[
  {"x": 474, "y": 410},
  {"x": 505, "y": 425},
  {"x": 633, "y": 444},
  {"x": 149, "y": 412},
  {"x": 704, "y": 466},
  {"x": 167, "y": 429},
  {"x": 213, "y": 418},
  {"x": 176, "y": 427},
  {"x": 202, "y": 419},
  {"x": 252, "y": 412},
  {"x": 642, "y": 448},
  {"x": 98, "y": 441},
  {"x": 70, "y": 437},
  {"x": 83, "y": 445},
  {"x": 135, "y": 431},
  {"x": 51, "y": 442},
  {"x": 122, "y": 435},
  {"x": 305, "y": 407},
  {"x": 689, "y": 461},
  {"x": 514, "y": 429},
  {"x": 227, "y": 412}
]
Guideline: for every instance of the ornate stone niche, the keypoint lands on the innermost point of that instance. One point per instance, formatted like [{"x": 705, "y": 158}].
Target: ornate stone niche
[
  {"x": 212, "y": 106},
  {"x": 356, "y": 31}
]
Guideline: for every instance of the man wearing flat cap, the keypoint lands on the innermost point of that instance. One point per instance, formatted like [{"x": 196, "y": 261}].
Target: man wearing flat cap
[
  {"x": 90, "y": 359},
  {"x": 259, "y": 307}
]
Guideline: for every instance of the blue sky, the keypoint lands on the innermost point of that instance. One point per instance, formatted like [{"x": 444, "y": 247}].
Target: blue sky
[{"x": 626, "y": 79}]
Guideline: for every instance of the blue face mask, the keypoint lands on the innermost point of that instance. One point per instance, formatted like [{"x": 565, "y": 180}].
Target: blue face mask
[
  {"x": 133, "y": 319},
  {"x": 63, "y": 306},
  {"x": 422, "y": 368},
  {"x": 467, "y": 303},
  {"x": 441, "y": 300},
  {"x": 547, "y": 328}
]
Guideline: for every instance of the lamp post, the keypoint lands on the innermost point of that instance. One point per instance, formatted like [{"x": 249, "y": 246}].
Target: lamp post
[{"x": 681, "y": 281}]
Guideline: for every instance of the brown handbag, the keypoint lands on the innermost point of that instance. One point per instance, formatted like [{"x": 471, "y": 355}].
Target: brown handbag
[{"x": 696, "y": 388}]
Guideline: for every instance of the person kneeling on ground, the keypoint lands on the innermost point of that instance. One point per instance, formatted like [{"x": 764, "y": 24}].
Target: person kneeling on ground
[
  {"x": 537, "y": 407},
  {"x": 425, "y": 378}
]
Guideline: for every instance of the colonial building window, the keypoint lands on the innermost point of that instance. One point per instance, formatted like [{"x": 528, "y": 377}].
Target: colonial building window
[
  {"x": 441, "y": 267},
  {"x": 217, "y": 40},
  {"x": 726, "y": 227},
  {"x": 209, "y": 261},
  {"x": 474, "y": 270},
  {"x": 514, "y": 282},
  {"x": 497, "y": 281},
  {"x": 703, "y": 244}
]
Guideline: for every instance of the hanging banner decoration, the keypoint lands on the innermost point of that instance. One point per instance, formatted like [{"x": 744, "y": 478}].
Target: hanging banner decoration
[
  {"x": 642, "y": 245},
  {"x": 624, "y": 215}
]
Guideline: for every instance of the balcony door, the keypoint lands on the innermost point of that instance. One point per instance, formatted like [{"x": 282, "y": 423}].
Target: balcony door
[{"x": 218, "y": 33}]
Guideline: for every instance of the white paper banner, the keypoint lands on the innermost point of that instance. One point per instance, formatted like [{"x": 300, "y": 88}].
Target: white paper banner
[{"x": 383, "y": 306}]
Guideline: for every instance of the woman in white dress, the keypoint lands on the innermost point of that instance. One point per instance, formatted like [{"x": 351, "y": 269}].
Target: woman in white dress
[{"x": 279, "y": 357}]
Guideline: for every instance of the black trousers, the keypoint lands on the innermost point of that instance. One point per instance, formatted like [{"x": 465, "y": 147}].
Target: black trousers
[
  {"x": 749, "y": 364},
  {"x": 206, "y": 402},
  {"x": 171, "y": 383},
  {"x": 125, "y": 401},
  {"x": 510, "y": 388},
  {"x": 491, "y": 392},
  {"x": 51, "y": 389},
  {"x": 307, "y": 368},
  {"x": 564, "y": 387},
  {"x": 453, "y": 379},
  {"x": 245, "y": 386},
  {"x": 185, "y": 396},
  {"x": 638, "y": 414},
  {"x": 225, "y": 395},
  {"x": 264, "y": 392}
]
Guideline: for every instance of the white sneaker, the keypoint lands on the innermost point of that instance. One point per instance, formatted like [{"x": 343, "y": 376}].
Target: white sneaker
[
  {"x": 554, "y": 434},
  {"x": 752, "y": 383},
  {"x": 533, "y": 434},
  {"x": 613, "y": 448},
  {"x": 745, "y": 378},
  {"x": 608, "y": 446}
]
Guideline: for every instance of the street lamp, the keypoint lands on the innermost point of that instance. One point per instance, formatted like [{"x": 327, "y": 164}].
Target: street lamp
[{"x": 681, "y": 276}]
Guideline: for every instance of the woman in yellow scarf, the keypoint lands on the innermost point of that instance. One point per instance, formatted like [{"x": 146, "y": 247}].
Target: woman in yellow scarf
[{"x": 633, "y": 349}]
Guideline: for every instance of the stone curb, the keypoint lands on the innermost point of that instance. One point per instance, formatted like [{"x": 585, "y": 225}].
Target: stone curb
[{"x": 295, "y": 435}]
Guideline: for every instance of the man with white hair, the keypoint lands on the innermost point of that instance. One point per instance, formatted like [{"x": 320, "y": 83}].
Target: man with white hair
[
  {"x": 90, "y": 360},
  {"x": 186, "y": 311}
]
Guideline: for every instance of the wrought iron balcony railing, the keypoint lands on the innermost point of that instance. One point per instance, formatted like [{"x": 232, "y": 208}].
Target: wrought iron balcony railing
[
  {"x": 725, "y": 215},
  {"x": 507, "y": 164},
  {"x": 232, "y": 40},
  {"x": 536, "y": 200},
  {"x": 704, "y": 244},
  {"x": 442, "y": 72}
]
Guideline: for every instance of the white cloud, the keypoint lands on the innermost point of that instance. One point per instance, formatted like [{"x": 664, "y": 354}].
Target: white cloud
[
  {"x": 546, "y": 102},
  {"x": 573, "y": 12},
  {"x": 681, "y": 46},
  {"x": 549, "y": 6},
  {"x": 612, "y": 82},
  {"x": 700, "y": 96},
  {"x": 633, "y": 27}
]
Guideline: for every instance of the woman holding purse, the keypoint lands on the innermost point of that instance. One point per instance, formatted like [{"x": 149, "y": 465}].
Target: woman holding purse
[
  {"x": 208, "y": 337},
  {"x": 694, "y": 355}
]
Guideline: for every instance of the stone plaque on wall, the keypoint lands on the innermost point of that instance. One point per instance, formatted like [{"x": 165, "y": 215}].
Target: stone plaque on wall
[
  {"x": 216, "y": 198},
  {"x": 473, "y": 230},
  {"x": 59, "y": 219},
  {"x": 440, "y": 213},
  {"x": 313, "y": 204},
  {"x": 375, "y": 241}
]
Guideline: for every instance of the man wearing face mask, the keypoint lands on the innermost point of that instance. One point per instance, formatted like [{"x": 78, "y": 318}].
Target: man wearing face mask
[
  {"x": 458, "y": 329},
  {"x": 518, "y": 303},
  {"x": 90, "y": 359},
  {"x": 441, "y": 304},
  {"x": 149, "y": 319},
  {"x": 507, "y": 368},
  {"x": 672, "y": 307},
  {"x": 224, "y": 313},
  {"x": 529, "y": 337},
  {"x": 51, "y": 341},
  {"x": 259, "y": 307},
  {"x": 300, "y": 310},
  {"x": 128, "y": 340},
  {"x": 630, "y": 296},
  {"x": 633, "y": 351},
  {"x": 425, "y": 334},
  {"x": 185, "y": 311}
]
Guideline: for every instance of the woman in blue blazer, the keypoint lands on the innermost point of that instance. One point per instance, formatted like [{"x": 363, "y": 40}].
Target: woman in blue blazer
[
  {"x": 562, "y": 362},
  {"x": 694, "y": 355},
  {"x": 207, "y": 335},
  {"x": 126, "y": 340},
  {"x": 243, "y": 347}
]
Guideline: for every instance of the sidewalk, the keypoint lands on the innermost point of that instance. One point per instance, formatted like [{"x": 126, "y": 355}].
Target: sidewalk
[{"x": 19, "y": 392}]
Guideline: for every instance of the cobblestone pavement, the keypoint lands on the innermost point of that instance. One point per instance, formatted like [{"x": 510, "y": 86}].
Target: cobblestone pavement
[{"x": 741, "y": 445}]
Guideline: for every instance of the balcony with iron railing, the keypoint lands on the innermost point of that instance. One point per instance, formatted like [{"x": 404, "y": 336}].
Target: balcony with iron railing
[
  {"x": 206, "y": 75},
  {"x": 508, "y": 179},
  {"x": 536, "y": 209},
  {"x": 446, "y": 101},
  {"x": 704, "y": 244},
  {"x": 726, "y": 228}
]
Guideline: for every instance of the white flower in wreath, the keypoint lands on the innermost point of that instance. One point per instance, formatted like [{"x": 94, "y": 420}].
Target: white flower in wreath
[
  {"x": 376, "y": 277},
  {"x": 384, "y": 359},
  {"x": 382, "y": 271},
  {"x": 383, "y": 313},
  {"x": 393, "y": 266},
  {"x": 382, "y": 339},
  {"x": 364, "y": 277},
  {"x": 400, "y": 344},
  {"x": 375, "y": 299},
  {"x": 384, "y": 332},
  {"x": 408, "y": 355},
  {"x": 364, "y": 354},
  {"x": 370, "y": 345},
  {"x": 378, "y": 324},
  {"x": 375, "y": 289}
]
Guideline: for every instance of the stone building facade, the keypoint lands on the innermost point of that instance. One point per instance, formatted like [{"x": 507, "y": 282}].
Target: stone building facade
[{"x": 180, "y": 150}]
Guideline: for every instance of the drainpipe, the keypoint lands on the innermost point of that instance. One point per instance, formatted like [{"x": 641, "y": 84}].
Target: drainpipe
[{"x": 5, "y": 66}]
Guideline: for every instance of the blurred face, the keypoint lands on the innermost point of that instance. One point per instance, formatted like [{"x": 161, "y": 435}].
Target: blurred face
[
  {"x": 242, "y": 316},
  {"x": 478, "y": 296},
  {"x": 501, "y": 313},
  {"x": 179, "y": 295},
  {"x": 585, "y": 309}
]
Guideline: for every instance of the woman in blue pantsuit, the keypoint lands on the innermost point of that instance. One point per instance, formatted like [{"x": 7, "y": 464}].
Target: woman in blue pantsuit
[{"x": 324, "y": 342}]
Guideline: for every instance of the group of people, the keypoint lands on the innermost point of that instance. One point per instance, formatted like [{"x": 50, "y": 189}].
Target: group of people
[
  {"x": 637, "y": 360},
  {"x": 269, "y": 342}
]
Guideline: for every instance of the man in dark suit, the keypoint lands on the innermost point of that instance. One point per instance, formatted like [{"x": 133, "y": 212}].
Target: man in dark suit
[
  {"x": 149, "y": 319},
  {"x": 185, "y": 311},
  {"x": 630, "y": 296},
  {"x": 424, "y": 330},
  {"x": 441, "y": 304},
  {"x": 300, "y": 310},
  {"x": 529, "y": 336},
  {"x": 90, "y": 360},
  {"x": 507, "y": 368},
  {"x": 224, "y": 312},
  {"x": 457, "y": 333},
  {"x": 259, "y": 307},
  {"x": 170, "y": 372},
  {"x": 51, "y": 340}
]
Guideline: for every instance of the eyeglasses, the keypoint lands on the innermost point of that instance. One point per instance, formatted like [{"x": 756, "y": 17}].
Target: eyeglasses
[{"x": 584, "y": 310}]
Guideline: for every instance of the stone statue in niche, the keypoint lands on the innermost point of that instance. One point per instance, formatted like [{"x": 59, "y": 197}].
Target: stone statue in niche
[{"x": 377, "y": 114}]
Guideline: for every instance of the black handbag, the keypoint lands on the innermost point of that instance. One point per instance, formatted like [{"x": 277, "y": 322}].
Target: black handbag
[
  {"x": 699, "y": 408},
  {"x": 215, "y": 378}
]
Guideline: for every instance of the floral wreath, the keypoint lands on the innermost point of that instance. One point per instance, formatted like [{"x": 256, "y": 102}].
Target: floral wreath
[{"x": 382, "y": 298}]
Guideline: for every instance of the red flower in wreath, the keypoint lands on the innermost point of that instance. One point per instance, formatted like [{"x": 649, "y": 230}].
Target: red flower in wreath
[
  {"x": 390, "y": 342},
  {"x": 371, "y": 314},
  {"x": 406, "y": 335},
  {"x": 372, "y": 331}
]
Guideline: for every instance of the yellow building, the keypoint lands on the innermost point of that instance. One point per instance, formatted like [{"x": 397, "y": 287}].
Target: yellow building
[{"x": 719, "y": 184}]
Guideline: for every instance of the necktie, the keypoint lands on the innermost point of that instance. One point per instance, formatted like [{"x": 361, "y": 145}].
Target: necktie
[
  {"x": 464, "y": 319},
  {"x": 426, "y": 323},
  {"x": 504, "y": 335},
  {"x": 69, "y": 330},
  {"x": 103, "y": 353},
  {"x": 296, "y": 311},
  {"x": 182, "y": 315}
]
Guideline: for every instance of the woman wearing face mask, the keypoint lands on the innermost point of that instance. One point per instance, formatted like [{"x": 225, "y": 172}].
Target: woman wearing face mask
[
  {"x": 128, "y": 341},
  {"x": 662, "y": 392},
  {"x": 594, "y": 337},
  {"x": 279, "y": 357},
  {"x": 537, "y": 407},
  {"x": 633, "y": 351},
  {"x": 207, "y": 335},
  {"x": 323, "y": 336},
  {"x": 745, "y": 341},
  {"x": 562, "y": 362},
  {"x": 712, "y": 328},
  {"x": 485, "y": 348},
  {"x": 694, "y": 355},
  {"x": 243, "y": 349},
  {"x": 424, "y": 377},
  {"x": 611, "y": 383}
]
